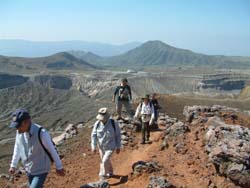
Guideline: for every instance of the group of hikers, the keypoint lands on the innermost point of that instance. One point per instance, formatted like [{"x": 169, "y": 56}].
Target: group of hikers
[{"x": 35, "y": 148}]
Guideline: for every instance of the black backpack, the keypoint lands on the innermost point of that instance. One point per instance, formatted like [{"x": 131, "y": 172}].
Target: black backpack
[
  {"x": 45, "y": 149},
  {"x": 122, "y": 94}
]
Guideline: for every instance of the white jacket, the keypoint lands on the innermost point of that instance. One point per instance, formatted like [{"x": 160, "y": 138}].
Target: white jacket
[
  {"x": 105, "y": 136},
  {"x": 29, "y": 150}
]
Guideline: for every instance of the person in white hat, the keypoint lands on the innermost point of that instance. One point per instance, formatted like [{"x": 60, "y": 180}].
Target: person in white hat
[{"x": 106, "y": 135}]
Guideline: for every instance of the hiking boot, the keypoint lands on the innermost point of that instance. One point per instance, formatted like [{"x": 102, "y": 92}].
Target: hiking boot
[{"x": 143, "y": 142}]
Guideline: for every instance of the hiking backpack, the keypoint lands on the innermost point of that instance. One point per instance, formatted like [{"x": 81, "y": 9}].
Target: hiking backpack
[{"x": 124, "y": 92}]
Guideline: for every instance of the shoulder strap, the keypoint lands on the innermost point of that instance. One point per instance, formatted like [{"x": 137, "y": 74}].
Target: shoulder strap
[
  {"x": 45, "y": 149},
  {"x": 113, "y": 124},
  {"x": 98, "y": 124},
  {"x": 116, "y": 90}
]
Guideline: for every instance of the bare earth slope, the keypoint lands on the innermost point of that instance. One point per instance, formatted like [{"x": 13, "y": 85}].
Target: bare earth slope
[{"x": 184, "y": 162}]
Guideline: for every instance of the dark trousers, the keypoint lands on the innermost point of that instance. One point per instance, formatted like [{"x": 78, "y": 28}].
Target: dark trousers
[
  {"x": 145, "y": 131},
  {"x": 156, "y": 114}
]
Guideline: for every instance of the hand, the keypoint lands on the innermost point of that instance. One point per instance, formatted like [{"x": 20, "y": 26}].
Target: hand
[
  {"x": 12, "y": 170},
  {"x": 113, "y": 99},
  {"x": 118, "y": 151},
  {"x": 60, "y": 172}
]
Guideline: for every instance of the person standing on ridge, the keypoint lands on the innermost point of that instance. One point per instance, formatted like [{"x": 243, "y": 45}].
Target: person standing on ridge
[
  {"x": 122, "y": 97},
  {"x": 33, "y": 145}
]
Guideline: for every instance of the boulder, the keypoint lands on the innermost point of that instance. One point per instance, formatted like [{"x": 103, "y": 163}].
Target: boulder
[
  {"x": 123, "y": 132},
  {"x": 162, "y": 123},
  {"x": 159, "y": 182},
  {"x": 58, "y": 140},
  {"x": 177, "y": 129},
  {"x": 124, "y": 137},
  {"x": 5, "y": 176},
  {"x": 164, "y": 144},
  {"x": 98, "y": 184},
  {"x": 80, "y": 126},
  {"x": 70, "y": 127},
  {"x": 228, "y": 147},
  {"x": 194, "y": 112},
  {"x": 141, "y": 167},
  {"x": 124, "y": 142}
]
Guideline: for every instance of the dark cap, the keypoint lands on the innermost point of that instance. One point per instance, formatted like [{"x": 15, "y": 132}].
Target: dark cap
[
  {"x": 124, "y": 80},
  {"x": 18, "y": 116}
]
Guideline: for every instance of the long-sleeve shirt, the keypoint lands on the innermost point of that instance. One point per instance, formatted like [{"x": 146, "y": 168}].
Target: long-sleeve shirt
[
  {"x": 106, "y": 136},
  {"x": 145, "y": 109},
  {"x": 46, "y": 141}
]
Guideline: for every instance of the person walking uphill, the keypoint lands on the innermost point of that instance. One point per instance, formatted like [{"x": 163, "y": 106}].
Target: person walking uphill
[
  {"x": 33, "y": 145},
  {"x": 145, "y": 111},
  {"x": 106, "y": 135},
  {"x": 122, "y": 96}
]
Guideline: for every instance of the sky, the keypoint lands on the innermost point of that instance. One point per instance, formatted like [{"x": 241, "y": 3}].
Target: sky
[{"x": 205, "y": 26}]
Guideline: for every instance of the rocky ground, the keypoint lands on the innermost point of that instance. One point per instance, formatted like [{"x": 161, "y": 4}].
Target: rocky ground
[{"x": 209, "y": 149}]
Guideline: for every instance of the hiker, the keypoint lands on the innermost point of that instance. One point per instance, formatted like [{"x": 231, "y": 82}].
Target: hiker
[
  {"x": 122, "y": 97},
  {"x": 106, "y": 136},
  {"x": 154, "y": 101},
  {"x": 33, "y": 145},
  {"x": 145, "y": 112}
]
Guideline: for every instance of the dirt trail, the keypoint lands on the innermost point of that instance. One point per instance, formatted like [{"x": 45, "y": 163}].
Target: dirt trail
[
  {"x": 123, "y": 163},
  {"x": 188, "y": 169}
]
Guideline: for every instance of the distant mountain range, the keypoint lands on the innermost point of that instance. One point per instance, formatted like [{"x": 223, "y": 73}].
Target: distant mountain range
[
  {"x": 149, "y": 54},
  {"x": 59, "y": 61},
  {"x": 24, "y": 48},
  {"x": 157, "y": 53}
]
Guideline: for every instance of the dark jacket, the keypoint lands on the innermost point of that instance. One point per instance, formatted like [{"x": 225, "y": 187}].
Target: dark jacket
[{"x": 123, "y": 93}]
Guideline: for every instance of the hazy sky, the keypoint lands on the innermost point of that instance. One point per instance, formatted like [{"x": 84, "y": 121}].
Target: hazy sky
[{"x": 207, "y": 26}]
